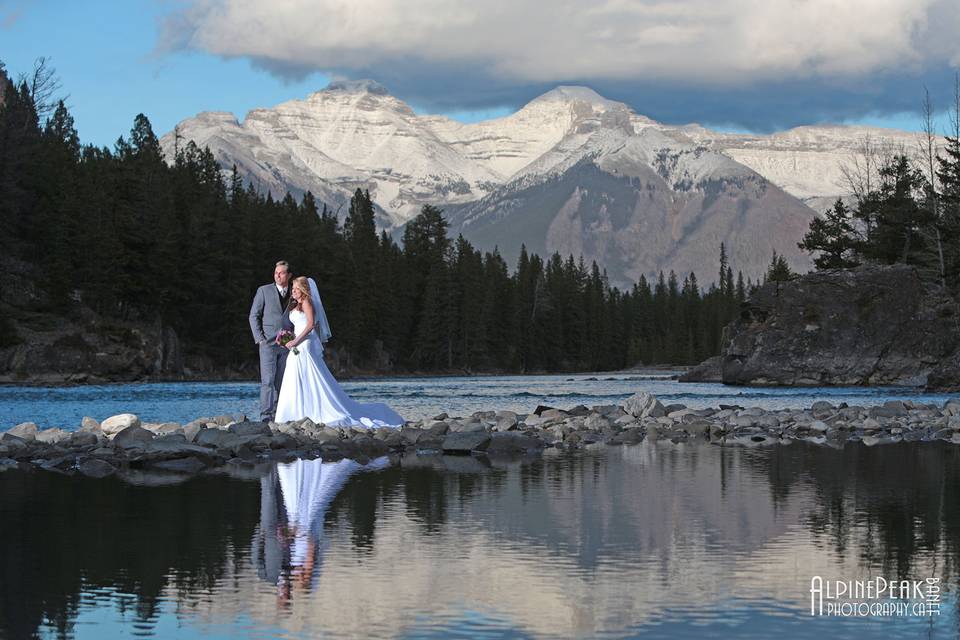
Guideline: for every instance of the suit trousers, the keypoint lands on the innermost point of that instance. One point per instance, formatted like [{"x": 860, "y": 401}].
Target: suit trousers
[{"x": 273, "y": 359}]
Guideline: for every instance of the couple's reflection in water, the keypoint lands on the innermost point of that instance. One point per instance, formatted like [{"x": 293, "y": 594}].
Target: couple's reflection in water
[{"x": 289, "y": 543}]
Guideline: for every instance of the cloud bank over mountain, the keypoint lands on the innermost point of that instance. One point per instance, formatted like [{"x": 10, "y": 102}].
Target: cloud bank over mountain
[{"x": 760, "y": 65}]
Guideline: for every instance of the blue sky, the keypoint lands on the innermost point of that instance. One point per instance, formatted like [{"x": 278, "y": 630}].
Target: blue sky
[{"x": 117, "y": 59}]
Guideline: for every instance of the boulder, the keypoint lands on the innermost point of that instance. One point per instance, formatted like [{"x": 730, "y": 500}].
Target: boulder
[
  {"x": 83, "y": 439},
  {"x": 25, "y": 430},
  {"x": 95, "y": 468},
  {"x": 643, "y": 404},
  {"x": 512, "y": 443},
  {"x": 116, "y": 424},
  {"x": 466, "y": 441},
  {"x": 53, "y": 435},
  {"x": 191, "y": 429},
  {"x": 163, "y": 428},
  {"x": 132, "y": 436},
  {"x": 250, "y": 428},
  {"x": 12, "y": 441}
]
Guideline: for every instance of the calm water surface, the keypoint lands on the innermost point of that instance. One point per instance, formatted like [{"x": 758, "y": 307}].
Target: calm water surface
[
  {"x": 413, "y": 398},
  {"x": 655, "y": 540}
]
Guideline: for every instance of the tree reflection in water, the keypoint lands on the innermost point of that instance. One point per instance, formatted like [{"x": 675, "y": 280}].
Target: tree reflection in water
[{"x": 590, "y": 524}]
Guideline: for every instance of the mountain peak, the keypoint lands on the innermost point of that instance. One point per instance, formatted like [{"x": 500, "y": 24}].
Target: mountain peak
[
  {"x": 357, "y": 86},
  {"x": 571, "y": 93}
]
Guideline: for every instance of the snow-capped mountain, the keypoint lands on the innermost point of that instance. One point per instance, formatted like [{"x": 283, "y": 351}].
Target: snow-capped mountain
[
  {"x": 351, "y": 134},
  {"x": 571, "y": 171},
  {"x": 807, "y": 162},
  {"x": 638, "y": 203}
]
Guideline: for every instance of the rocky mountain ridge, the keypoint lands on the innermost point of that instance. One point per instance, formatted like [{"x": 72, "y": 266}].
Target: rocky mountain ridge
[{"x": 354, "y": 134}]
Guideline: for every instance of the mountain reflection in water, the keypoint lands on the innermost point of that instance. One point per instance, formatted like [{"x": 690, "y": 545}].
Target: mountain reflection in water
[{"x": 687, "y": 540}]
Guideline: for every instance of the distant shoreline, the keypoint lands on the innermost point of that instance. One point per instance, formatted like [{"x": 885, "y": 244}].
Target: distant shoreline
[{"x": 82, "y": 380}]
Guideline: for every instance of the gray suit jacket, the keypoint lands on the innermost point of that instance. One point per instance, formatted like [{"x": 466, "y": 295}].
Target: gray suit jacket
[{"x": 267, "y": 318}]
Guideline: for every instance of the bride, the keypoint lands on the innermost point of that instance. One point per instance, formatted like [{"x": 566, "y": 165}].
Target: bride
[{"x": 308, "y": 389}]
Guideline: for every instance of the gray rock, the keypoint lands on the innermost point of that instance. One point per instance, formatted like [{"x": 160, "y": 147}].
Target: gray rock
[
  {"x": 83, "y": 439},
  {"x": 394, "y": 440},
  {"x": 596, "y": 422},
  {"x": 53, "y": 435},
  {"x": 12, "y": 441},
  {"x": 163, "y": 428},
  {"x": 132, "y": 436},
  {"x": 465, "y": 442},
  {"x": 60, "y": 464},
  {"x": 283, "y": 441},
  {"x": 553, "y": 414},
  {"x": 466, "y": 427},
  {"x": 697, "y": 428},
  {"x": 769, "y": 421},
  {"x": 710, "y": 370},
  {"x": 89, "y": 424},
  {"x": 192, "y": 430},
  {"x": 95, "y": 468},
  {"x": 7, "y": 464},
  {"x": 642, "y": 404},
  {"x": 25, "y": 430},
  {"x": 116, "y": 424},
  {"x": 951, "y": 407},
  {"x": 821, "y": 406},
  {"x": 533, "y": 420},
  {"x": 174, "y": 448},
  {"x": 250, "y": 428},
  {"x": 215, "y": 438},
  {"x": 411, "y": 434},
  {"x": 819, "y": 426},
  {"x": 511, "y": 443},
  {"x": 872, "y": 325},
  {"x": 507, "y": 423},
  {"x": 437, "y": 428}
]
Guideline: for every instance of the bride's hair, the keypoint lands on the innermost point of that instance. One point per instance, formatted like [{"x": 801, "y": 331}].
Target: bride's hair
[{"x": 303, "y": 285}]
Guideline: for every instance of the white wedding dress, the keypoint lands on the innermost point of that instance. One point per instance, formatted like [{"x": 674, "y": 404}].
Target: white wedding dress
[{"x": 309, "y": 390}]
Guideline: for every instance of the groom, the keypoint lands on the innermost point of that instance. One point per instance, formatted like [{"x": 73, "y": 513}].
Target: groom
[{"x": 268, "y": 315}]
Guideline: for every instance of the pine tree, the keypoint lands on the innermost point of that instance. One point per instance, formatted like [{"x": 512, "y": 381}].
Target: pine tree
[
  {"x": 778, "y": 271},
  {"x": 834, "y": 238}
]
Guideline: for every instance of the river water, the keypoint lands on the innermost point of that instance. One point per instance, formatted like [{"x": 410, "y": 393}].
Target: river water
[
  {"x": 656, "y": 540},
  {"x": 413, "y": 398},
  {"x": 662, "y": 540}
]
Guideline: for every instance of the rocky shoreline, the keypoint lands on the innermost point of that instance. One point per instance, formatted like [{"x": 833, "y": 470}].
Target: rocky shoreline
[
  {"x": 123, "y": 445},
  {"x": 872, "y": 325}
]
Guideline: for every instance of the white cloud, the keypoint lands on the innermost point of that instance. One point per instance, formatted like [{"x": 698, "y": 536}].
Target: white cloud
[
  {"x": 755, "y": 64},
  {"x": 541, "y": 41}
]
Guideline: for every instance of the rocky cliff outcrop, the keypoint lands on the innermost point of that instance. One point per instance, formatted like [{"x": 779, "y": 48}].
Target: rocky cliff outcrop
[
  {"x": 42, "y": 342},
  {"x": 871, "y": 325},
  {"x": 88, "y": 348}
]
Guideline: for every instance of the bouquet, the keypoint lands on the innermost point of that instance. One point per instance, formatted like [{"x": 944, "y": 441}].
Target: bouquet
[{"x": 284, "y": 337}]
